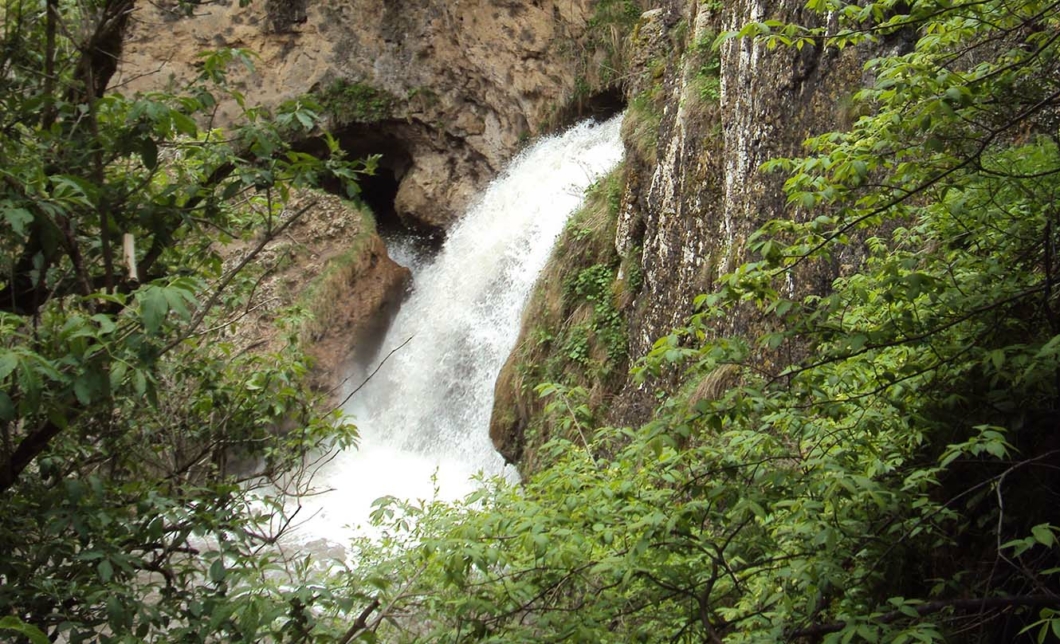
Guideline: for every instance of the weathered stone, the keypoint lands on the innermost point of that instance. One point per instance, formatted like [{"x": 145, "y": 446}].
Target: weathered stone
[
  {"x": 704, "y": 194},
  {"x": 332, "y": 263},
  {"x": 472, "y": 78}
]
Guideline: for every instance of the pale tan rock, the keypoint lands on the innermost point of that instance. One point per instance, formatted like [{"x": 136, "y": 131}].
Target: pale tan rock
[
  {"x": 472, "y": 78},
  {"x": 333, "y": 264}
]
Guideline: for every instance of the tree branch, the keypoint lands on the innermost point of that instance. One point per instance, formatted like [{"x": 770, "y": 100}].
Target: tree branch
[
  {"x": 28, "y": 449},
  {"x": 928, "y": 608},
  {"x": 361, "y": 622}
]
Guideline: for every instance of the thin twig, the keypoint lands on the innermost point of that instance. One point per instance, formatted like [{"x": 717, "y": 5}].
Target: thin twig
[
  {"x": 251, "y": 256},
  {"x": 374, "y": 371}
]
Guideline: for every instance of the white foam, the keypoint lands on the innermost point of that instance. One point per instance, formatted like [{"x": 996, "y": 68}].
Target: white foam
[{"x": 426, "y": 412}]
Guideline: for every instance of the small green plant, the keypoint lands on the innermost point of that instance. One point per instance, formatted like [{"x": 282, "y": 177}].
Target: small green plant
[
  {"x": 594, "y": 285},
  {"x": 708, "y": 75},
  {"x": 641, "y": 126},
  {"x": 356, "y": 102},
  {"x": 576, "y": 349},
  {"x": 422, "y": 97},
  {"x": 582, "y": 88}
]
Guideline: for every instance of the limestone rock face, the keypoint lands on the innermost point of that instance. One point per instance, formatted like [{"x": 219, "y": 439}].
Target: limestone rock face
[
  {"x": 469, "y": 79},
  {"x": 692, "y": 207},
  {"x": 701, "y": 122}
]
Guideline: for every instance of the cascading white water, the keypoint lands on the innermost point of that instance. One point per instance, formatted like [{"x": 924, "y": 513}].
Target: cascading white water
[{"x": 426, "y": 411}]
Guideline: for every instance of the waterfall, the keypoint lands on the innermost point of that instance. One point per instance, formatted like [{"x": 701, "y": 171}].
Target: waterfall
[{"x": 424, "y": 416}]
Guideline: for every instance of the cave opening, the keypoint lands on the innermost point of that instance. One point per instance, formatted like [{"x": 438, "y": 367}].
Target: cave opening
[
  {"x": 599, "y": 106},
  {"x": 379, "y": 189},
  {"x": 378, "y": 192},
  {"x": 602, "y": 105}
]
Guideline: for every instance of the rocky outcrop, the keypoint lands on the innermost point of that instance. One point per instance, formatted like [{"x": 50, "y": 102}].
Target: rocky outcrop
[
  {"x": 467, "y": 81},
  {"x": 723, "y": 113},
  {"x": 701, "y": 122},
  {"x": 332, "y": 264}
]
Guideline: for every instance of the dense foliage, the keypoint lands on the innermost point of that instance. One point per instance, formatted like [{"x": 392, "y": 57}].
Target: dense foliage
[
  {"x": 879, "y": 466},
  {"x": 142, "y": 453}
]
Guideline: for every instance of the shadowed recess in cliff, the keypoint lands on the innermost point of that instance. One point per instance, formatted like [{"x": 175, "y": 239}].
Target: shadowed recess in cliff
[
  {"x": 379, "y": 190},
  {"x": 599, "y": 106},
  {"x": 424, "y": 416}
]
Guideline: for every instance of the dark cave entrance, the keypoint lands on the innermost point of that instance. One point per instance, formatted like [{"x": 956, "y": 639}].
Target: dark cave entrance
[
  {"x": 599, "y": 106},
  {"x": 605, "y": 104},
  {"x": 388, "y": 141},
  {"x": 378, "y": 191}
]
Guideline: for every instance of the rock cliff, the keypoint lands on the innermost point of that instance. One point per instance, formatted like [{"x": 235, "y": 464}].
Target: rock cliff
[
  {"x": 724, "y": 113},
  {"x": 701, "y": 122},
  {"x": 330, "y": 263},
  {"x": 445, "y": 90}
]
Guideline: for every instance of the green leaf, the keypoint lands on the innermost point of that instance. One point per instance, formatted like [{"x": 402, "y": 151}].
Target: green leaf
[
  {"x": 7, "y": 407},
  {"x": 139, "y": 382},
  {"x": 83, "y": 389},
  {"x": 106, "y": 570},
  {"x": 1043, "y": 534},
  {"x": 32, "y": 633},
  {"x": 8, "y": 362},
  {"x": 149, "y": 153},
  {"x": 217, "y": 570},
  {"x": 184, "y": 124},
  {"x": 154, "y": 306},
  {"x": 106, "y": 324},
  {"x": 18, "y": 219},
  {"x": 305, "y": 119}
]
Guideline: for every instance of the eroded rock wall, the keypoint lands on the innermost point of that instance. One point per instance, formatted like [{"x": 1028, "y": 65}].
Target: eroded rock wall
[
  {"x": 470, "y": 79},
  {"x": 702, "y": 121},
  {"x": 724, "y": 112}
]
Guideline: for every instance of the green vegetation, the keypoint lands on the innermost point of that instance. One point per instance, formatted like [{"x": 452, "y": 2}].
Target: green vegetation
[
  {"x": 708, "y": 74},
  {"x": 600, "y": 58},
  {"x": 640, "y": 127},
  {"x": 575, "y": 332},
  {"x": 326, "y": 294},
  {"x": 874, "y": 468},
  {"x": 620, "y": 14},
  {"x": 609, "y": 27},
  {"x": 139, "y": 447},
  {"x": 357, "y": 102}
]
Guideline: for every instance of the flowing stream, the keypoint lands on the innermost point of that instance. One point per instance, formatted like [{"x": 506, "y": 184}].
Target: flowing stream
[{"x": 424, "y": 416}]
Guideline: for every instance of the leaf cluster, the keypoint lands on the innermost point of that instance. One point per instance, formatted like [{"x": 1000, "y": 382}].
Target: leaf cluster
[
  {"x": 144, "y": 456},
  {"x": 875, "y": 470}
]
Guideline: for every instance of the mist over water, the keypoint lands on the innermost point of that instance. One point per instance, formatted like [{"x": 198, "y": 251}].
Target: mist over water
[{"x": 426, "y": 411}]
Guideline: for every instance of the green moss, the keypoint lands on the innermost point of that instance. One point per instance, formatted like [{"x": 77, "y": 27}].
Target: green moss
[
  {"x": 355, "y": 102},
  {"x": 324, "y": 293},
  {"x": 422, "y": 97},
  {"x": 615, "y": 13},
  {"x": 640, "y": 129},
  {"x": 632, "y": 269}
]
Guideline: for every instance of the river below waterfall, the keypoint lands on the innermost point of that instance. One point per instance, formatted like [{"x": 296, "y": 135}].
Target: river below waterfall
[{"x": 423, "y": 417}]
